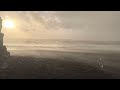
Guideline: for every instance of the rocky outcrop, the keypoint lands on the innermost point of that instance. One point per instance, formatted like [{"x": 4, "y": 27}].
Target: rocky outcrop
[{"x": 3, "y": 49}]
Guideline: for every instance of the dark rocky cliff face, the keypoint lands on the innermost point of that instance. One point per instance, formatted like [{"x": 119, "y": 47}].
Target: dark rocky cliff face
[
  {"x": 3, "y": 49},
  {"x": 1, "y": 39}
]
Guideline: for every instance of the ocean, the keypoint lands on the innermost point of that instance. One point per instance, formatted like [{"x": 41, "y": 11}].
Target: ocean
[{"x": 65, "y": 45}]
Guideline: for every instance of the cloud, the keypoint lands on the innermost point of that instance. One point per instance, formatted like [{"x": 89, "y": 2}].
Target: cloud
[
  {"x": 65, "y": 24},
  {"x": 31, "y": 22}
]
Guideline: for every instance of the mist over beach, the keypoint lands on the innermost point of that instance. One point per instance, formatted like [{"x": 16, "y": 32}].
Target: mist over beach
[{"x": 63, "y": 44}]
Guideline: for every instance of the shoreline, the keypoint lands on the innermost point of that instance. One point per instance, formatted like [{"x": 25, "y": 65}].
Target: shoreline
[
  {"x": 82, "y": 52},
  {"x": 29, "y": 67},
  {"x": 46, "y": 64}
]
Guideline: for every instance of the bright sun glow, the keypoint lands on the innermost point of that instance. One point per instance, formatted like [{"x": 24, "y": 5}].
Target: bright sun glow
[{"x": 8, "y": 24}]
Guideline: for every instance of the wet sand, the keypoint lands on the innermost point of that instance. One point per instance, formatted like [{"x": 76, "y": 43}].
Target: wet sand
[{"x": 81, "y": 66}]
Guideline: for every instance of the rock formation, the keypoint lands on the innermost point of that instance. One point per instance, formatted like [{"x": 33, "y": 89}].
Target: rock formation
[{"x": 3, "y": 49}]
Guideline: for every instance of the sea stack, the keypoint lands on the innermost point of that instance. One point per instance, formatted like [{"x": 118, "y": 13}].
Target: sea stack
[{"x": 3, "y": 49}]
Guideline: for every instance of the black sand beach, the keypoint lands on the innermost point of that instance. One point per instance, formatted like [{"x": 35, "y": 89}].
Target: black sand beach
[{"x": 69, "y": 67}]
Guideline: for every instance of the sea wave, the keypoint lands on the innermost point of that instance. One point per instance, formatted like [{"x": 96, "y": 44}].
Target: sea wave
[{"x": 61, "y": 45}]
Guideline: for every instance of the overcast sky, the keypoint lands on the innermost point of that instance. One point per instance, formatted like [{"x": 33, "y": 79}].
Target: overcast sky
[{"x": 83, "y": 25}]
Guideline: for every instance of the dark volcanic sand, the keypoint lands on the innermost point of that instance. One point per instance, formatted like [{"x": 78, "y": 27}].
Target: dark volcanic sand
[{"x": 18, "y": 67}]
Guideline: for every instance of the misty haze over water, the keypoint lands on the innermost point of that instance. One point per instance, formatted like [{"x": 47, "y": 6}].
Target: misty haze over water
[
  {"x": 73, "y": 31},
  {"x": 63, "y": 45},
  {"x": 64, "y": 36}
]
